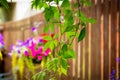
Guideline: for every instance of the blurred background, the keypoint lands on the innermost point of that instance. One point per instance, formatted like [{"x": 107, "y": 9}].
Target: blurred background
[{"x": 96, "y": 55}]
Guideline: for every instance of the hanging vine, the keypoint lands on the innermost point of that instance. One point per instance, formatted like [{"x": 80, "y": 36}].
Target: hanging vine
[{"x": 68, "y": 16}]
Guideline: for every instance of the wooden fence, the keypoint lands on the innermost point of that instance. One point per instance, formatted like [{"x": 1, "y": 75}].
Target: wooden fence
[{"x": 96, "y": 54}]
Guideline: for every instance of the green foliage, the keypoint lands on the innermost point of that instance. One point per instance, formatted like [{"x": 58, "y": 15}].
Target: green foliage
[
  {"x": 4, "y": 3},
  {"x": 65, "y": 3},
  {"x": 71, "y": 20},
  {"x": 82, "y": 34},
  {"x": 69, "y": 54}
]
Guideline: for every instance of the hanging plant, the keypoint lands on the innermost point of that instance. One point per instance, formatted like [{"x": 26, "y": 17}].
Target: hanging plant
[
  {"x": 68, "y": 16},
  {"x": 29, "y": 52}
]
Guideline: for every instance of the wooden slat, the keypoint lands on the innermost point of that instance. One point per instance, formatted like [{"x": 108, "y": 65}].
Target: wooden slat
[
  {"x": 106, "y": 28},
  {"x": 113, "y": 33},
  {"x": 97, "y": 25},
  {"x": 118, "y": 39},
  {"x": 94, "y": 41}
]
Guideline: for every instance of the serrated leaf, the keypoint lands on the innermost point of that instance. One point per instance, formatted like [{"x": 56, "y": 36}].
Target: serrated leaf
[{"x": 82, "y": 34}]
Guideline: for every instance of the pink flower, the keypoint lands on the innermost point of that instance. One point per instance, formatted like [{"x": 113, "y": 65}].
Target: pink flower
[
  {"x": 40, "y": 58},
  {"x": 47, "y": 52},
  {"x": 34, "y": 54}
]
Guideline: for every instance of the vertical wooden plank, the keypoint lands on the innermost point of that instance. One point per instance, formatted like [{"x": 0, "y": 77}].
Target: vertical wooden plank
[
  {"x": 95, "y": 50},
  {"x": 101, "y": 45},
  {"x": 86, "y": 54},
  {"x": 106, "y": 51},
  {"x": 97, "y": 25},
  {"x": 89, "y": 52},
  {"x": 81, "y": 60},
  {"x": 119, "y": 33},
  {"x": 118, "y": 39},
  {"x": 89, "y": 47},
  {"x": 109, "y": 38},
  {"x": 113, "y": 33}
]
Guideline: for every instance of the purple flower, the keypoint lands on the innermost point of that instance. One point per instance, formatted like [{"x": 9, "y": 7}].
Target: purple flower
[
  {"x": 1, "y": 41},
  {"x": 11, "y": 47},
  {"x": 18, "y": 51},
  {"x": 113, "y": 71},
  {"x": 10, "y": 54},
  {"x": 26, "y": 53},
  {"x": 33, "y": 29},
  {"x": 41, "y": 40},
  {"x": 118, "y": 60},
  {"x": 1, "y": 36}
]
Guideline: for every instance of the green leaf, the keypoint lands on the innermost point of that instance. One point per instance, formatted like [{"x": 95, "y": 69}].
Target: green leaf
[
  {"x": 69, "y": 20},
  {"x": 69, "y": 28},
  {"x": 4, "y": 3},
  {"x": 46, "y": 28},
  {"x": 69, "y": 54},
  {"x": 49, "y": 44},
  {"x": 49, "y": 13},
  {"x": 91, "y": 20},
  {"x": 42, "y": 75},
  {"x": 65, "y": 3},
  {"x": 64, "y": 47},
  {"x": 56, "y": 14},
  {"x": 52, "y": 27},
  {"x": 75, "y": 4},
  {"x": 47, "y": 38},
  {"x": 38, "y": 4},
  {"x": 70, "y": 34},
  {"x": 82, "y": 34},
  {"x": 64, "y": 71},
  {"x": 87, "y": 3},
  {"x": 64, "y": 63},
  {"x": 34, "y": 77}
]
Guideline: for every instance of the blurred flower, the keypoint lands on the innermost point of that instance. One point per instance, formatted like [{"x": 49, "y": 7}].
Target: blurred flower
[
  {"x": 118, "y": 60},
  {"x": 1, "y": 41},
  {"x": 47, "y": 52},
  {"x": 40, "y": 58},
  {"x": 33, "y": 29},
  {"x": 26, "y": 53}
]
